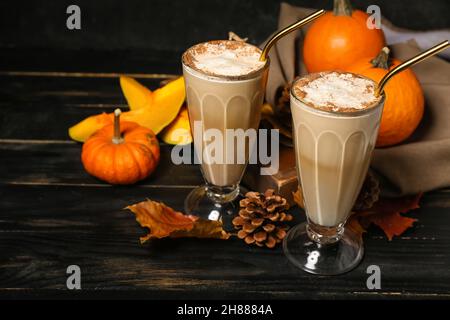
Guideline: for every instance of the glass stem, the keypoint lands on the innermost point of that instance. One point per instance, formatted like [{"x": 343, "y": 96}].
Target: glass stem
[
  {"x": 324, "y": 235},
  {"x": 222, "y": 194}
]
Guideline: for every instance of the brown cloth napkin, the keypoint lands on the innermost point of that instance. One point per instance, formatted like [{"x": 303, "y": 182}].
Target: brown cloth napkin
[{"x": 418, "y": 165}]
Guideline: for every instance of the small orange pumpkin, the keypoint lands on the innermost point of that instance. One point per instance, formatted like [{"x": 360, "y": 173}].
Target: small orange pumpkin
[
  {"x": 121, "y": 153},
  {"x": 338, "y": 38},
  {"x": 404, "y": 105}
]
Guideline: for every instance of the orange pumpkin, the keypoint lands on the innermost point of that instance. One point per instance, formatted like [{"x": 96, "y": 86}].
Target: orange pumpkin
[
  {"x": 123, "y": 153},
  {"x": 404, "y": 105},
  {"x": 338, "y": 38}
]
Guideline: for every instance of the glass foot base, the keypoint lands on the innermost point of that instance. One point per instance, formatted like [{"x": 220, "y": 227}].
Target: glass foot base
[
  {"x": 198, "y": 203},
  {"x": 330, "y": 259}
]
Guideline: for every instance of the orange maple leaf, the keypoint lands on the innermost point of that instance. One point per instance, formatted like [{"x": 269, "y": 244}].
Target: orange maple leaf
[
  {"x": 386, "y": 214},
  {"x": 393, "y": 224}
]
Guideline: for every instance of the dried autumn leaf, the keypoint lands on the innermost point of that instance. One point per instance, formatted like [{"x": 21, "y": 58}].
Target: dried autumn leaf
[
  {"x": 163, "y": 221},
  {"x": 203, "y": 229},
  {"x": 386, "y": 215},
  {"x": 160, "y": 219},
  {"x": 393, "y": 224}
]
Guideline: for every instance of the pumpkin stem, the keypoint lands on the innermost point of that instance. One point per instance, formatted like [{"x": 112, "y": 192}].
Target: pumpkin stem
[
  {"x": 382, "y": 59},
  {"x": 117, "y": 138},
  {"x": 342, "y": 8}
]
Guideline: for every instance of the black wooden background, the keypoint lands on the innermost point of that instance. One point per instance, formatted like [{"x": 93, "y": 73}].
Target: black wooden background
[
  {"x": 174, "y": 25},
  {"x": 52, "y": 214}
]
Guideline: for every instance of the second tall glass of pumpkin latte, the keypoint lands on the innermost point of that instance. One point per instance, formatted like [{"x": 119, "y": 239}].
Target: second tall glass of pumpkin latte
[{"x": 336, "y": 117}]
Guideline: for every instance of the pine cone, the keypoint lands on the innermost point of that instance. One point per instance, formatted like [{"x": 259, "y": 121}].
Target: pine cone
[
  {"x": 284, "y": 100},
  {"x": 369, "y": 194},
  {"x": 283, "y": 107},
  {"x": 261, "y": 218}
]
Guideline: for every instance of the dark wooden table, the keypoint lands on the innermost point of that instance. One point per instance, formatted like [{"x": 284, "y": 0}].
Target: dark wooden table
[{"x": 53, "y": 214}]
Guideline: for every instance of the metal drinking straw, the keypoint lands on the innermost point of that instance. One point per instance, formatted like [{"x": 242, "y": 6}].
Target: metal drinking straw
[
  {"x": 287, "y": 30},
  {"x": 408, "y": 63}
]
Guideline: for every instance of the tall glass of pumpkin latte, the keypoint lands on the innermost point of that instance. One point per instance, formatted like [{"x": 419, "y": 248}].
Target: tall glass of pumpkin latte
[{"x": 336, "y": 117}]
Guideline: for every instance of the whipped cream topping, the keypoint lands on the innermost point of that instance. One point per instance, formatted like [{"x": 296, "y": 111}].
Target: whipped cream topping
[
  {"x": 337, "y": 91},
  {"x": 224, "y": 58}
]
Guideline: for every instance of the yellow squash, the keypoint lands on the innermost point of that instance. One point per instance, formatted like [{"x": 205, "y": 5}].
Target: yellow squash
[
  {"x": 160, "y": 112},
  {"x": 136, "y": 94},
  {"x": 179, "y": 131}
]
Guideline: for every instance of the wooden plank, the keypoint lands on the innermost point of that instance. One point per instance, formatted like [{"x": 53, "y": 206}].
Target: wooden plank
[
  {"x": 17, "y": 90},
  {"x": 105, "y": 61},
  {"x": 59, "y": 74},
  {"x": 43, "y": 229},
  {"x": 47, "y": 119},
  {"x": 58, "y": 162}
]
